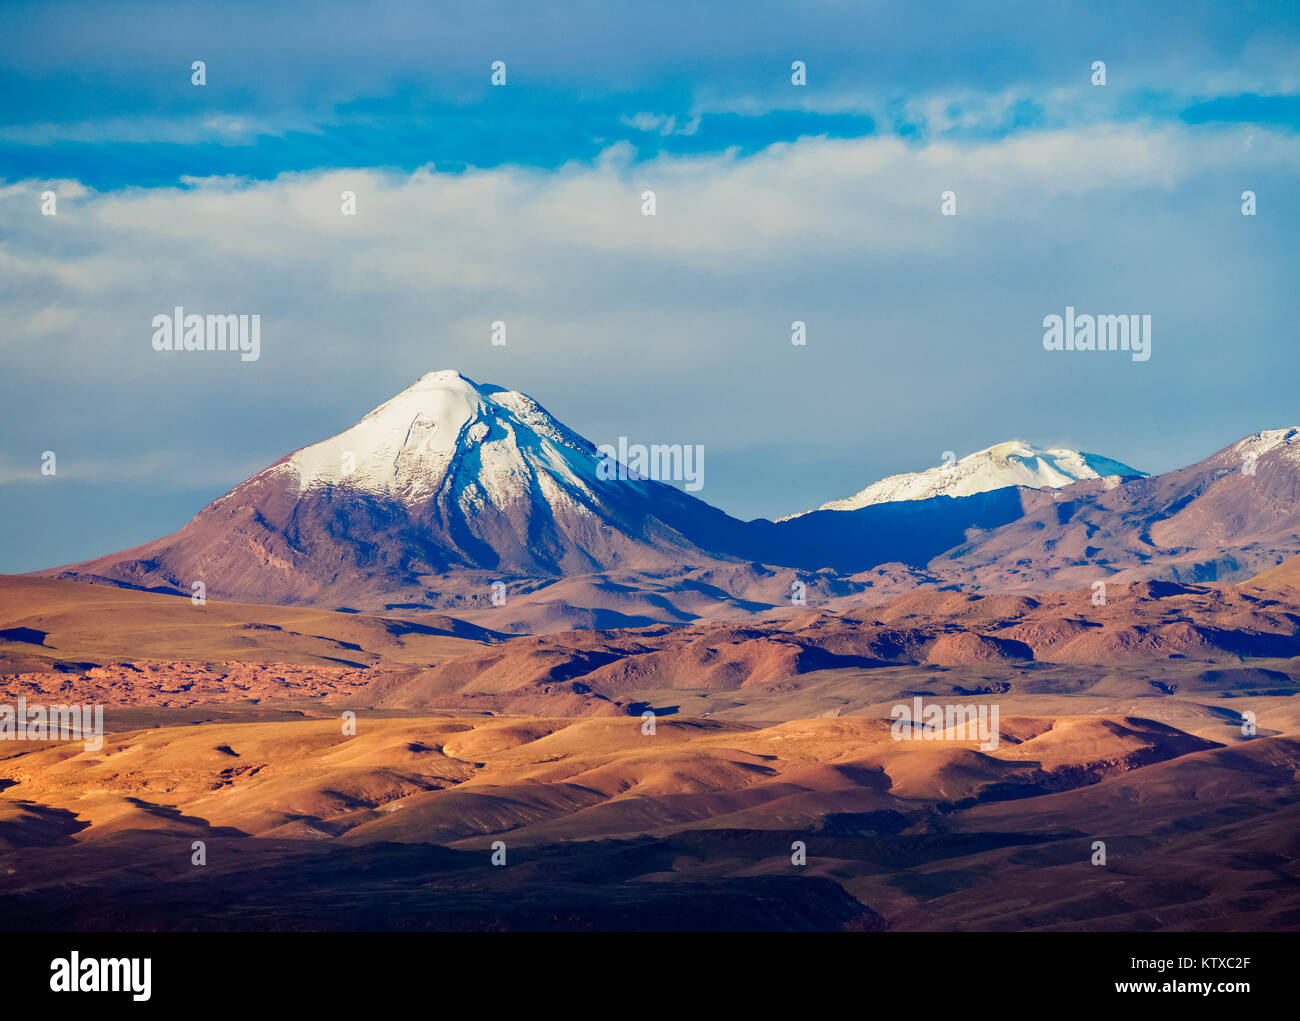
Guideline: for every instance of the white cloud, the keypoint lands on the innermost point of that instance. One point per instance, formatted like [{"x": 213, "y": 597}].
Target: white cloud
[
  {"x": 663, "y": 124},
  {"x": 180, "y": 130},
  {"x": 626, "y": 324}
]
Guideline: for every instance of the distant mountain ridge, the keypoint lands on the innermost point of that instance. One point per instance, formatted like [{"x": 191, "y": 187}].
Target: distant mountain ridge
[
  {"x": 467, "y": 498},
  {"x": 1226, "y": 518},
  {"x": 1014, "y": 463}
]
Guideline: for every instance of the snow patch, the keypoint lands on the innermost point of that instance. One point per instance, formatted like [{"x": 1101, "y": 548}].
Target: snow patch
[
  {"x": 1014, "y": 463},
  {"x": 411, "y": 447}
]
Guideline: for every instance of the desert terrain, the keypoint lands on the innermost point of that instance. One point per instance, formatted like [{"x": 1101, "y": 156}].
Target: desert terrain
[{"x": 343, "y": 770}]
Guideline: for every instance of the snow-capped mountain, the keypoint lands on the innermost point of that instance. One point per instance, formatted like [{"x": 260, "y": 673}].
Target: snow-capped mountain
[
  {"x": 448, "y": 475},
  {"x": 1249, "y": 450},
  {"x": 1005, "y": 464},
  {"x": 446, "y": 438},
  {"x": 1224, "y": 518},
  {"x": 451, "y": 486}
]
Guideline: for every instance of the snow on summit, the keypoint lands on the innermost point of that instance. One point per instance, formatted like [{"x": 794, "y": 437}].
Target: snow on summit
[
  {"x": 1260, "y": 443},
  {"x": 1006, "y": 464},
  {"x": 409, "y": 446}
]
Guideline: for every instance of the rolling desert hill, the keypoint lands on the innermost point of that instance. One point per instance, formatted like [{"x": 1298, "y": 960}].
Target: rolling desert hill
[
  {"x": 60, "y": 639},
  {"x": 1146, "y": 635},
  {"x": 1121, "y": 722},
  {"x": 47, "y": 624},
  {"x": 1284, "y": 575},
  {"x": 604, "y": 826},
  {"x": 452, "y": 781}
]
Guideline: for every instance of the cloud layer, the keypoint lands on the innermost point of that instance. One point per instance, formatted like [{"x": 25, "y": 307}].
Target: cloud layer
[{"x": 924, "y": 330}]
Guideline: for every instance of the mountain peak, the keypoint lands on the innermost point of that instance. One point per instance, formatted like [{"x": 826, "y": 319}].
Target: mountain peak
[
  {"x": 415, "y": 443},
  {"x": 1262, "y": 442},
  {"x": 443, "y": 379},
  {"x": 446, "y": 475},
  {"x": 1013, "y": 463}
]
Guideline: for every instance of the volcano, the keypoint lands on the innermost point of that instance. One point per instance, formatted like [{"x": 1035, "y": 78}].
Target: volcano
[{"x": 449, "y": 476}]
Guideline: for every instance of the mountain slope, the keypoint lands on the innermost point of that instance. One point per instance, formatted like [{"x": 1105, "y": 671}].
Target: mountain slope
[{"x": 1225, "y": 518}]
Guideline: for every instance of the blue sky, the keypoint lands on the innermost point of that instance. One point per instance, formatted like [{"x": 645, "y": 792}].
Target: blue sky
[
  {"x": 103, "y": 96},
  {"x": 521, "y": 203}
]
